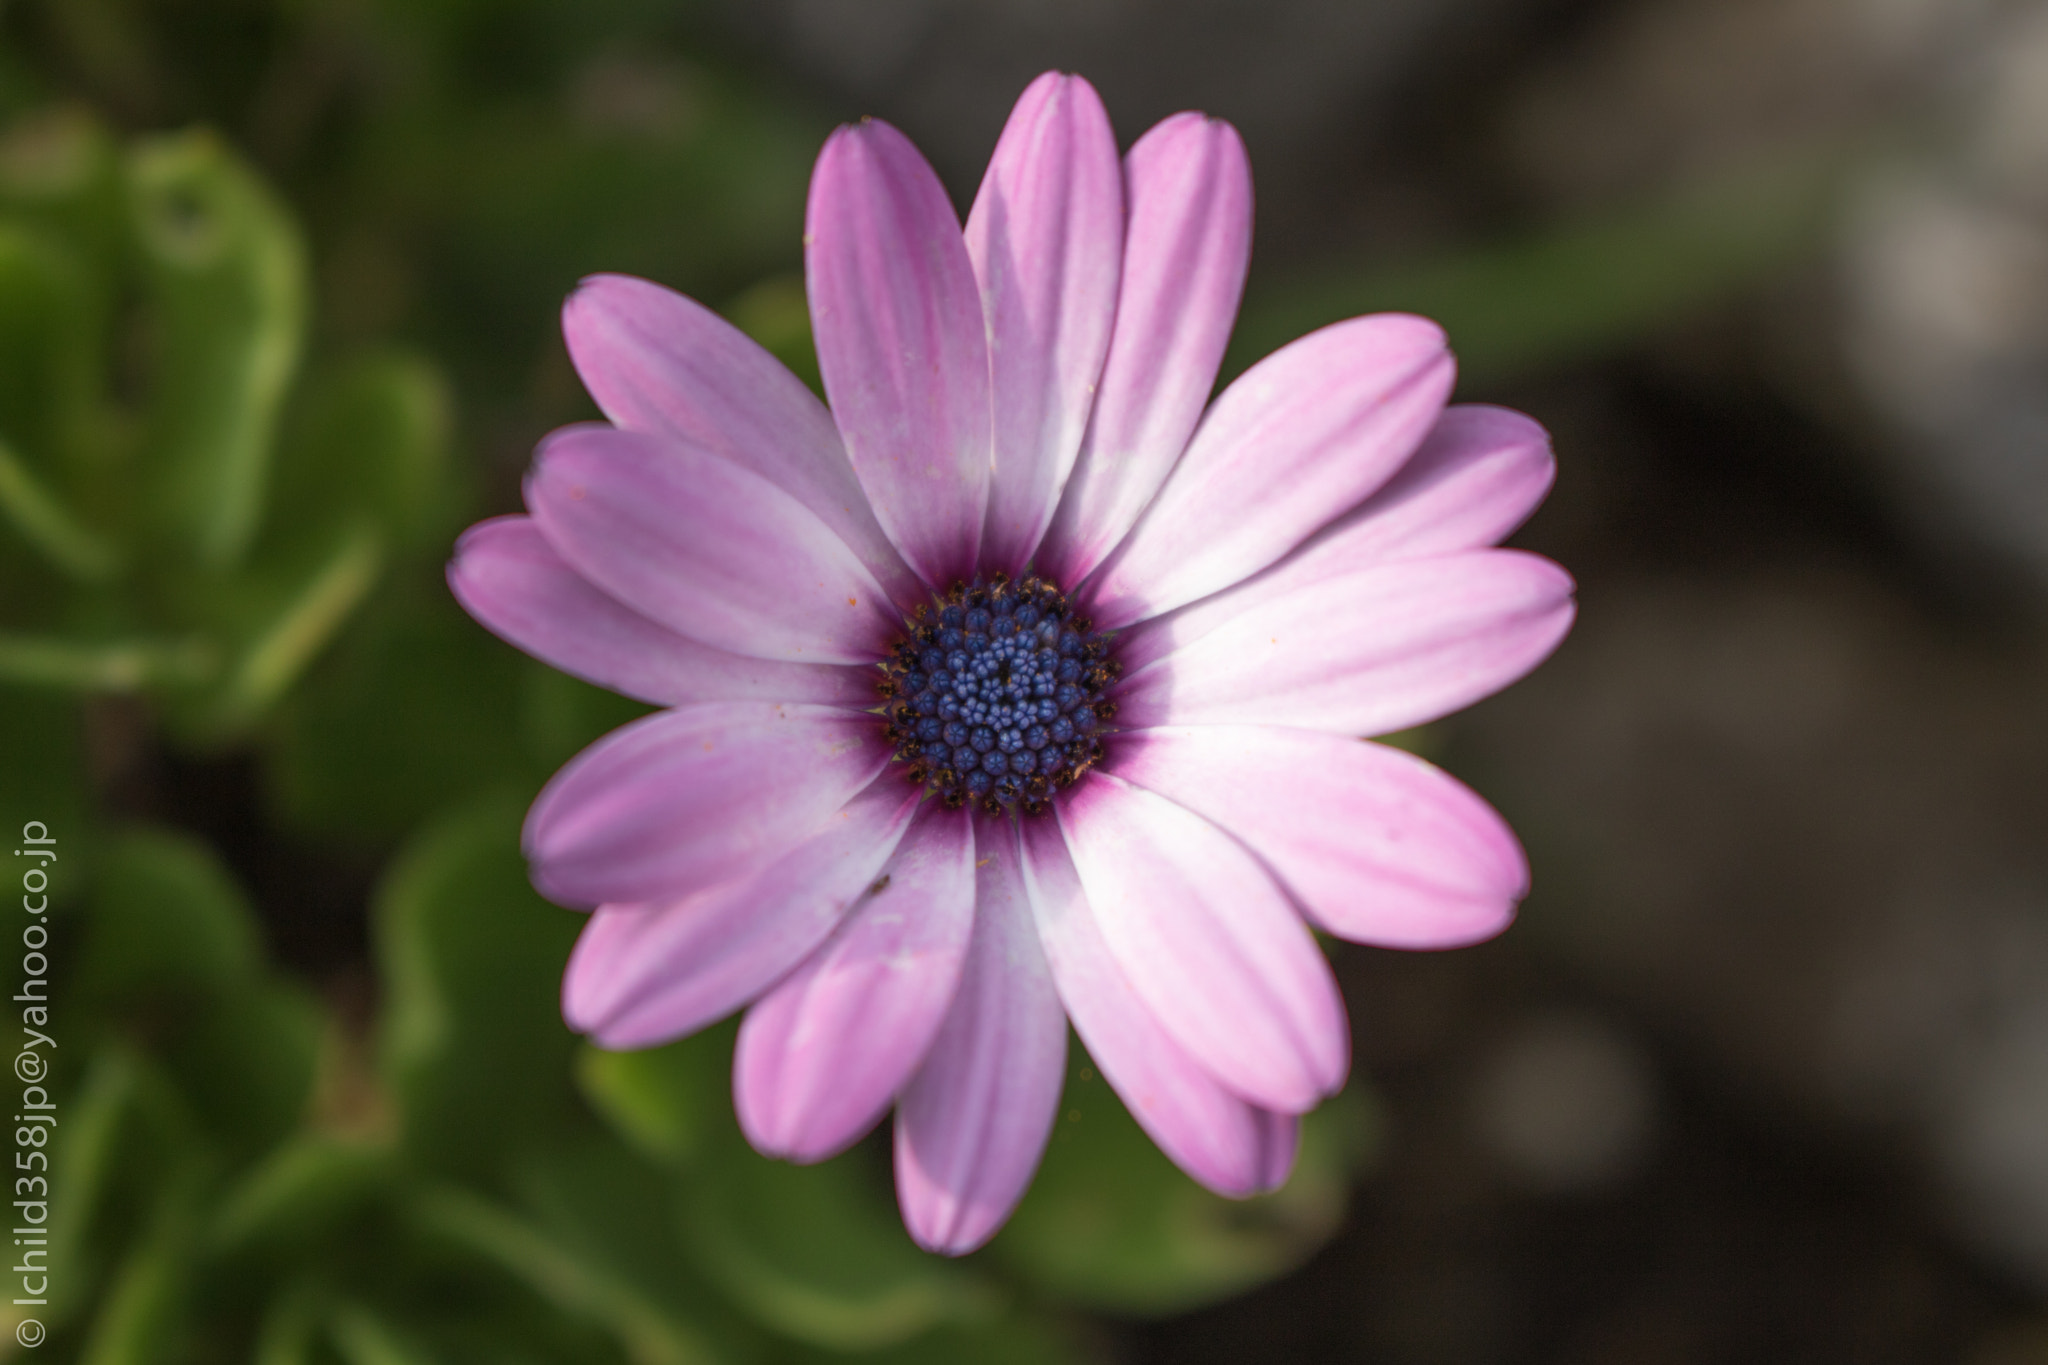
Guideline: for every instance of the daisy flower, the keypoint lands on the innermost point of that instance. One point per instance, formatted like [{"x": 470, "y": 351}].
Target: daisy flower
[{"x": 1016, "y": 689}]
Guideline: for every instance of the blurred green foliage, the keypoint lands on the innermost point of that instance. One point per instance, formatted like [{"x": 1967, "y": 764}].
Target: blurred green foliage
[
  {"x": 165, "y": 540},
  {"x": 1575, "y": 290},
  {"x": 1107, "y": 1223}
]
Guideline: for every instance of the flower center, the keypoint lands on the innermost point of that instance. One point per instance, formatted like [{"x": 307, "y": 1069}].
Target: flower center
[{"x": 996, "y": 696}]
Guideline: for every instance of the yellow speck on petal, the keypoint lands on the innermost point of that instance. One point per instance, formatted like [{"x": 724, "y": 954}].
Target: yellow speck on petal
[
  {"x": 853, "y": 601},
  {"x": 984, "y": 862},
  {"x": 707, "y": 746}
]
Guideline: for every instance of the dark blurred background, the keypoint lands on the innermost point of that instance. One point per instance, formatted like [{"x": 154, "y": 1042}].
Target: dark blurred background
[{"x": 1762, "y": 1072}]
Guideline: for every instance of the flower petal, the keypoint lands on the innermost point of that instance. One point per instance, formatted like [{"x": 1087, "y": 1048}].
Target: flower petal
[
  {"x": 897, "y": 318},
  {"x": 1209, "y": 943},
  {"x": 658, "y": 362},
  {"x": 822, "y": 1054},
  {"x": 1301, "y": 437},
  {"x": 1189, "y": 238},
  {"x": 1479, "y": 474},
  {"x": 508, "y": 577},
  {"x": 688, "y": 798},
  {"x": 1342, "y": 642},
  {"x": 1231, "y": 1146},
  {"x": 1046, "y": 237},
  {"x": 643, "y": 974},
  {"x": 706, "y": 547},
  {"x": 1279, "y": 1144},
  {"x": 1376, "y": 845},
  {"x": 973, "y": 1122}
]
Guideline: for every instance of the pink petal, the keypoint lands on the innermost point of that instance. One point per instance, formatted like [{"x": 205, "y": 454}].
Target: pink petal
[
  {"x": 1189, "y": 191},
  {"x": 660, "y": 363},
  {"x": 1340, "y": 641},
  {"x": 507, "y": 576},
  {"x": 897, "y": 317},
  {"x": 643, "y": 974},
  {"x": 1233, "y": 1147},
  {"x": 1279, "y": 1144},
  {"x": 1374, "y": 844},
  {"x": 705, "y": 547},
  {"x": 687, "y": 798},
  {"x": 1209, "y": 943},
  {"x": 973, "y": 1122},
  {"x": 1046, "y": 237},
  {"x": 1478, "y": 476},
  {"x": 1302, "y": 436},
  {"x": 821, "y": 1056}
]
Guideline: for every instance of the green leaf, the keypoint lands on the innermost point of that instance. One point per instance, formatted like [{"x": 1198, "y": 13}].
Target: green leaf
[
  {"x": 322, "y": 601},
  {"x": 60, "y": 172},
  {"x": 819, "y": 1253},
  {"x": 225, "y": 282},
  {"x": 617, "y": 1213},
  {"x": 533, "y": 200},
  {"x": 51, "y": 328},
  {"x": 115, "y": 667},
  {"x": 291, "y": 1327},
  {"x": 246, "y": 1064},
  {"x": 363, "y": 1337},
  {"x": 44, "y": 521},
  {"x": 172, "y": 948},
  {"x": 143, "y": 1317},
  {"x": 283, "y": 610},
  {"x": 1577, "y": 289},
  {"x": 777, "y": 313},
  {"x": 128, "y": 1168},
  {"x": 663, "y": 1100},
  {"x": 418, "y": 709},
  {"x": 567, "y": 1276},
  {"x": 301, "y": 1191},
  {"x": 560, "y": 715},
  {"x": 83, "y": 1172},
  {"x": 815, "y": 1252},
  {"x": 1009, "y": 1340},
  {"x": 472, "y": 1041},
  {"x": 1424, "y": 741},
  {"x": 370, "y": 441},
  {"x": 167, "y": 919},
  {"x": 1110, "y": 1223},
  {"x": 42, "y": 778}
]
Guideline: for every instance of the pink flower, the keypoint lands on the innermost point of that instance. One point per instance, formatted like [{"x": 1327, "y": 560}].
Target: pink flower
[{"x": 1017, "y": 689}]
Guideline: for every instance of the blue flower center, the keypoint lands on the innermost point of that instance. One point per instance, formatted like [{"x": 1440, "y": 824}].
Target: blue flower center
[{"x": 995, "y": 696}]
